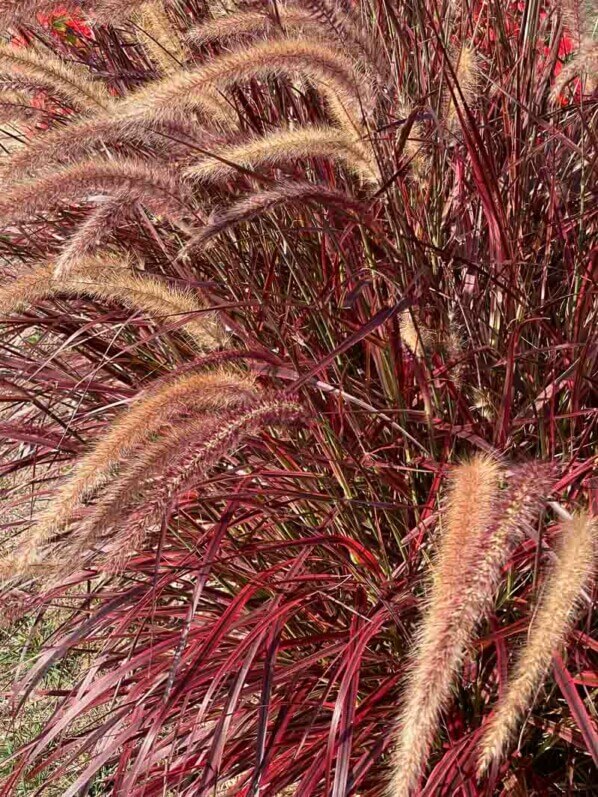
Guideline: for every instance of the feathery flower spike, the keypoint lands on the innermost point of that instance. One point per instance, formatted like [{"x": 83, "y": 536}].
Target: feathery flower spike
[
  {"x": 110, "y": 279},
  {"x": 467, "y": 71},
  {"x": 441, "y": 645},
  {"x": 346, "y": 92},
  {"x": 286, "y": 146},
  {"x": 202, "y": 394},
  {"x": 283, "y": 193},
  {"x": 552, "y": 619},
  {"x": 153, "y": 185},
  {"x": 254, "y": 23},
  {"x": 137, "y": 502},
  {"x": 70, "y": 81},
  {"x": 467, "y": 577},
  {"x": 134, "y": 503},
  {"x": 158, "y": 36}
]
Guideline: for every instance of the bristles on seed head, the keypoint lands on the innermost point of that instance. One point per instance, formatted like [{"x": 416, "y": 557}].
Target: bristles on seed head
[
  {"x": 155, "y": 186},
  {"x": 69, "y": 81},
  {"x": 417, "y": 336},
  {"x": 345, "y": 90},
  {"x": 127, "y": 443},
  {"x": 579, "y": 19},
  {"x": 111, "y": 279},
  {"x": 470, "y": 509},
  {"x": 571, "y": 574},
  {"x": 290, "y": 19},
  {"x": 468, "y": 75},
  {"x": 584, "y": 65},
  {"x": 283, "y": 147},
  {"x": 284, "y": 193},
  {"x": 158, "y": 36},
  {"x": 79, "y": 139},
  {"x": 91, "y": 234},
  {"x": 135, "y": 502}
]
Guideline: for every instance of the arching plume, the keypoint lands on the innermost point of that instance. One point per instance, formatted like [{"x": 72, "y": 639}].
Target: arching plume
[
  {"x": 284, "y": 193},
  {"x": 482, "y": 530},
  {"x": 200, "y": 394},
  {"x": 133, "y": 504},
  {"x": 79, "y": 139},
  {"x": 155, "y": 186},
  {"x": 112, "y": 280},
  {"x": 467, "y": 71},
  {"x": 283, "y": 147},
  {"x": 91, "y": 234},
  {"x": 470, "y": 510},
  {"x": 109, "y": 11},
  {"x": 158, "y": 36},
  {"x": 289, "y": 19},
  {"x": 347, "y": 94},
  {"x": 70, "y": 81},
  {"x": 551, "y": 621}
]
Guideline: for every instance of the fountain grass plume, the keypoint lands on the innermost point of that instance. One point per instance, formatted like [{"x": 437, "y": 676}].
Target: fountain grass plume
[
  {"x": 127, "y": 446},
  {"x": 68, "y": 80},
  {"x": 470, "y": 510},
  {"x": 283, "y": 147},
  {"x": 110, "y": 278},
  {"x": 557, "y": 608}
]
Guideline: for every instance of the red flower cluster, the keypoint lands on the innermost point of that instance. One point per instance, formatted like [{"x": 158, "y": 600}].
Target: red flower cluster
[
  {"x": 65, "y": 24},
  {"x": 565, "y": 52},
  {"x": 512, "y": 20}
]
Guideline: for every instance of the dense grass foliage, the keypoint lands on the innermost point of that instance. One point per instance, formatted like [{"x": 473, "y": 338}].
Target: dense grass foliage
[{"x": 268, "y": 274}]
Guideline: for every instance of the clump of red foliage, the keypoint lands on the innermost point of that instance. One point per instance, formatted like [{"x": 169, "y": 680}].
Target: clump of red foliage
[{"x": 258, "y": 642}]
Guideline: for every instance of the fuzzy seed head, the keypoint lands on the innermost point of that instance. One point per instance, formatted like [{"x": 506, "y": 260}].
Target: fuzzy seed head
[
  {"x": 571, "y": 574},
  {"x": 470, "y": 509}
]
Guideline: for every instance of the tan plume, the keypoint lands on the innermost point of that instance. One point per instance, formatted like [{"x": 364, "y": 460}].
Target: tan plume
[
  {"x": 153, "y": 185},
  {"x": 345, "y": 90},
  {"x": 472, "y": 571},
  {"x": 70, "y": 81},
  {"x": 158, "y": 36},
  {"x": 170, "y": 466},
  {"x": 286, "y": 192},
  {"x": 283, "y": 147},
  {"x": 415, "y": 334},
  {"x": 470, "y": 510},
  {"x": 583, "y": 65},
  {"x": 138, "y": 118},
  {"x": 201, "y": 394},
  {"x": 15, "y": 11},
  {"x": 82, "y": 137},
  {"x": 91, "y": 234},
  {"x": 109, "y": 11},
  {"x": 108, "y": 279},
  {"x": 579, "y": 18},
  {"x": 255, "y": 23},
  {"x": 467, "y": 71},
  {"x": 550, "y": 625}
]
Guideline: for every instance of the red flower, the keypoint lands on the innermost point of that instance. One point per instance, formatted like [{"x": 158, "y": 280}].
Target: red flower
[
  {"x": 566, "y": 47},
  {"x": 65, "y": 24}
]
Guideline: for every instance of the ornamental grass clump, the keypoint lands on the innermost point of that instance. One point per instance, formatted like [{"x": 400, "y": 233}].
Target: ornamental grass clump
[{"x": 297, "y": 398}]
